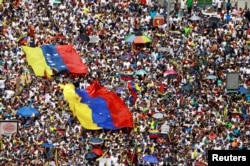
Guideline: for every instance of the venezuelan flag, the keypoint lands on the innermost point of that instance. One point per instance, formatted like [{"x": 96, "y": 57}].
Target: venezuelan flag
[
  {"x": 162, "y": 90},
  {"x": 1, "y": 44},
  {"x": 133, "y": 89},
  {"x": 97, "y": 108},
  {"x": 23, "y": 40},
  {"x": 126, "y": 76},
  {"x": 61, "y": 58}
]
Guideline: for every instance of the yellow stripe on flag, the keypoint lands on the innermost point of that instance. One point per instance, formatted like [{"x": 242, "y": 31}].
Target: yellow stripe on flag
[
  {"x": 80, "y": 110},
  {"x": 103, "y": 155},
  {"x": 37, "y": 61},
  {"x": 56, "y": 157}
]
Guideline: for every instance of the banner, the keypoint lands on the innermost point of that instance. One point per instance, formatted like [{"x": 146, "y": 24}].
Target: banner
[{"x": 8, "y": 127}]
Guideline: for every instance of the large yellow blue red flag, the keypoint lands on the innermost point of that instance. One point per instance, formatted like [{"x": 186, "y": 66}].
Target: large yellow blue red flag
[
  {"x": 97, "y": 108},
  {"x": 48, "y": 58}
]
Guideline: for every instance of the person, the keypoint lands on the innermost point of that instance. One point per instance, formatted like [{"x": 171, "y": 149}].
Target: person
[
  {"x": 183, "y": 7},
  {"x": 219, "y": 6},
  {"x": 214, "y": 4},
  {"x": 189, "y": 6},
  {"x": 228, "y": 6},
  {"x": 181, "y": 111}
]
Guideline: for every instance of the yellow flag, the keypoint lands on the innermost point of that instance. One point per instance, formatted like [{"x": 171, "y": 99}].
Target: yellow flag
[
  {"x": 80, "y": 110},
  {"x": 37, "y": 61}
]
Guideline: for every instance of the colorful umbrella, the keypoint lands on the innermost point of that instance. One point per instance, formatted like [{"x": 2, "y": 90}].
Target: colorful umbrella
[
  {"x": 98, "y": 152},
  {"x": 138, "y": 39},
  {"x": 170, "y": 72}
]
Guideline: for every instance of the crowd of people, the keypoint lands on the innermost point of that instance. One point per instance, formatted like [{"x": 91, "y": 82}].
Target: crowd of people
[{"x": 198, "y": 110}]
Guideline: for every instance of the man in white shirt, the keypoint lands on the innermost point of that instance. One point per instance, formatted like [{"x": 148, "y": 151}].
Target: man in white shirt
[{"x": 219, "y": 5}]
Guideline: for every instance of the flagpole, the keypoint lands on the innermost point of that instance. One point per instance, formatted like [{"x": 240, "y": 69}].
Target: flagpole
[{"x": 168, "y": 11}]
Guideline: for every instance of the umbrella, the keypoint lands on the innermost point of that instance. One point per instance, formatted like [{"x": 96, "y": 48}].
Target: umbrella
[
  {"x": 48, "y": 145},
  {"x": 170, "y": 72},
  {"x": 98, "y": 152},
  {"x": 162, "y": 49},
  {"x": 138, "y": 38},
  {"x": 187, "y": 87},
  {"x": 84, "y": 37},
  {"x": 212, "y": 136},
  {"x": 27, "y": 111},
  {"x": 142, "y": 39},
  {"x": 158, "y": 115},
  {"x": 57, "y": 1},
  {"x": 95, "y": 141},
  {"x": 211, "y": 77},
  {"x": 94, "y": 39},
  {"x": 170, "y": 159},
  {"x": 194, "y": 18},
  {"x": 90, "y": 156},
  {"x": 243, "y": 90},
  {"x": 140, "y": 72},
  {"x": 213, "y": 19},
  {"x": 150, "y": 159}
]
